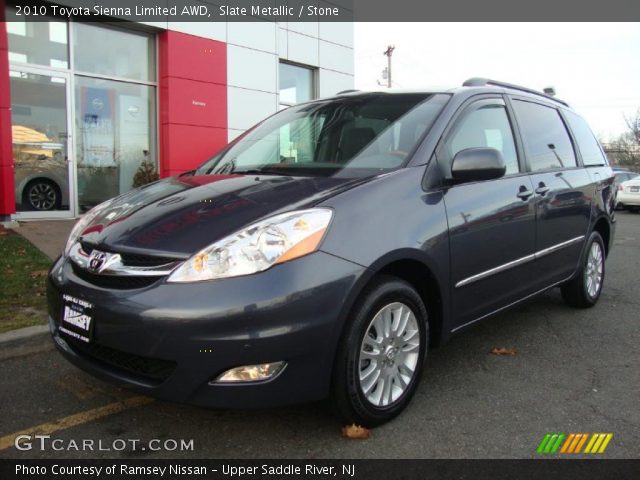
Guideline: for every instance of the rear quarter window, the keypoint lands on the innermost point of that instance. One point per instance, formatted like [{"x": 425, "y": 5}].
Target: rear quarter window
[
  {"x": 587, "y": 144},
  {"x": 546, "y": 140}
]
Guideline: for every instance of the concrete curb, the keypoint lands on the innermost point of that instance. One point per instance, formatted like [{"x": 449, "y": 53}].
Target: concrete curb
[{"x": 25, "y": 341}]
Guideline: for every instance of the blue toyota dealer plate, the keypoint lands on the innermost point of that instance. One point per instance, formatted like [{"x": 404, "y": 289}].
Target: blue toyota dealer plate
[{"x": 77, "y": 318}]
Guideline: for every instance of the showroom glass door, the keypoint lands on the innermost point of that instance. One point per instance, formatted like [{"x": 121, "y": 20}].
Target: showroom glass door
[{"x": 42, "y": 147}]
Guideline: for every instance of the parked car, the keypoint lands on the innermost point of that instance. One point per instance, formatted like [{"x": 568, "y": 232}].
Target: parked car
[
  {"x": 41, "y": 171},
  {"x": 326, "y": 251},
  {"x": 622, "y": 175},
  {"x": 629, "y": 194}
]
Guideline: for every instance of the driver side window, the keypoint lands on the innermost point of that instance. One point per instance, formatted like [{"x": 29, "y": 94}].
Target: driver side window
[{"x": 486, "y": 125}]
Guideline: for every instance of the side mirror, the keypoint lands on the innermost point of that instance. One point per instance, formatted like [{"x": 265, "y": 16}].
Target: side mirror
[{"x": 474, "y": 164}]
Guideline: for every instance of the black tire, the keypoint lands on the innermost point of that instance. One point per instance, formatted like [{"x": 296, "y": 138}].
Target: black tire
[
  {"x": 576, "y": 292},
  {"x": 49, "y": 188},
  {"x": 348, "y": 398}
]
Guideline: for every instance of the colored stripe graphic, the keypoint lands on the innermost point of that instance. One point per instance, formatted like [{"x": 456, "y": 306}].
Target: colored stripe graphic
[
  {"x": 573, "y": 443},
  {"x": 598, "y": 442},
  {"x": 551, "y": 442}
]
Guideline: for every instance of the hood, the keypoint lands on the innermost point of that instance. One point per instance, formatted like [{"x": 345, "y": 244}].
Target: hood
[{"x": 179, "y": 216}]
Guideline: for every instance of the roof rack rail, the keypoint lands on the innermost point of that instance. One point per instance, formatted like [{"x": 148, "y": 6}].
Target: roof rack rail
[
  {"x": 347, "y": 91},
  {"x": 483, "y": 82}
]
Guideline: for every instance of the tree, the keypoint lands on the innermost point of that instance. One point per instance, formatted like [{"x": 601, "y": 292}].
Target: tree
[
  {"x": 633, "y": 123},
  {"x": 625, "y": 150}
]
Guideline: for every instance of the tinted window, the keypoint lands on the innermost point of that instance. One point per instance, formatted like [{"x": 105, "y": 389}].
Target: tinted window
[
  {"x": 545, "y": 137},
  {"x": 485, "y": 126},
  {"x": 587, "y": 143}
]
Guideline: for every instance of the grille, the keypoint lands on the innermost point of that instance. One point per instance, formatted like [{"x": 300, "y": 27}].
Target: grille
[
  {"x": 119, "y": 282},
  {"x": 153, "y": 369},
  {"x": 135, "y": 260}
]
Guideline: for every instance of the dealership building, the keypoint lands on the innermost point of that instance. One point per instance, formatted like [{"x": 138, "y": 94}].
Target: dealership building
[{"x": 89, "y": 110}]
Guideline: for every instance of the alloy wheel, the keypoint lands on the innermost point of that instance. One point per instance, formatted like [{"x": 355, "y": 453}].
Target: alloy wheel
[
  {"x": 389, "y": 354},
  {"x": 42, "y": 196},
  {"x": 594, "y": 271}
]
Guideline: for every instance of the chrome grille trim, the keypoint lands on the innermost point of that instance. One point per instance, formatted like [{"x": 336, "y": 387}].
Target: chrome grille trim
[{"x": 114, "y": 266}]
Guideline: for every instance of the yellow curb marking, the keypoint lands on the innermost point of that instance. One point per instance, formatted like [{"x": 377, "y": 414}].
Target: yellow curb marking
[{"x": 76, "y": 419}]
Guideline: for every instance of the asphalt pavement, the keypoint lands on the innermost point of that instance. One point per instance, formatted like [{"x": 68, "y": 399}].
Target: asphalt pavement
[{"x": 573, "y": 371}]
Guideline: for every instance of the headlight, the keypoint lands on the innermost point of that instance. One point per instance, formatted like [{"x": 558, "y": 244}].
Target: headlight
[
  {"x": 254, "y": 249},
  {"x": 84, "y": 221}
]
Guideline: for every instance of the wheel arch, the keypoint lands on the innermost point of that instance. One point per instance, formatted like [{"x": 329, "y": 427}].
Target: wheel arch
[
  {"x": 414, "y": 267},
  {"x": 603, "y": 227}
]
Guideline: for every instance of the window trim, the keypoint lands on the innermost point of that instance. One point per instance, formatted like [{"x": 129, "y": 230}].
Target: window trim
[
  {"x": 461, "y": 112},
  {"x": 529, "y": 170}
]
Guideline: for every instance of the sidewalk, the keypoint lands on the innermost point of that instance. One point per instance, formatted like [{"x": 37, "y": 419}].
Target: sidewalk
[{"x": 50, "y": 236}]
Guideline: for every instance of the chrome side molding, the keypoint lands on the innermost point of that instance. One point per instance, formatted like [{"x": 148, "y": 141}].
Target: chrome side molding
[{"x": 519, "y": 261}]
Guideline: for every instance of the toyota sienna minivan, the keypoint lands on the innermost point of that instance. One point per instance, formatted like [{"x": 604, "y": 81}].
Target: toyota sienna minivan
[{"x": 328, "y": 249}]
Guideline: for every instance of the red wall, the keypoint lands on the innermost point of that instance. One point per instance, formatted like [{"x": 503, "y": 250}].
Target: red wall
[
  {"x": 7, "y": 200},
  {"x": 193, "y": 100}
]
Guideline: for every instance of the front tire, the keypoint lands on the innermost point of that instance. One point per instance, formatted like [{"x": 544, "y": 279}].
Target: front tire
[
  {"x": 583, "y": 291},
  {"x": 381, "y": 355},
  {"x": 41, "y": 195}
]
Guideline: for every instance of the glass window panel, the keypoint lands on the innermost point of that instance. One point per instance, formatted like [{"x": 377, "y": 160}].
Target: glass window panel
[
  {"x": 487, "y": 126},
  {"x": 39, "y": 43},
  {"x": 545, "y": 137},
  {"x": 587, "y": 143},
  {"x": 39, "y": 138},
  {"x": 113, "y": 52},
  {"x": 296, "y": 84},
  {"x": 115, "y": 134},
  {"x": 351, "y": 137}
]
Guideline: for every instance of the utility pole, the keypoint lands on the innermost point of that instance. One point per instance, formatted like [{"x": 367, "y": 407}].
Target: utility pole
[{"x": 388, "y": 53}]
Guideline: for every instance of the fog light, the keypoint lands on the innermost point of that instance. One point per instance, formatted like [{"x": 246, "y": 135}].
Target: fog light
[{"x": 251, "y": 373}]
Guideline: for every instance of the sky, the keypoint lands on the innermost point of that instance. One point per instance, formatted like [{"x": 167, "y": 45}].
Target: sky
[{"x": 595, "y": 67}]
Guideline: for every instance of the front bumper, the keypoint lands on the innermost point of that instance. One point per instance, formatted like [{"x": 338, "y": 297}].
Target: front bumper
[{"x": 170, "y": 340}]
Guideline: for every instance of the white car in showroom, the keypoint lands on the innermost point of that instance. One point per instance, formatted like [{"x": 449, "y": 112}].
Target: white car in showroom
[{"x": 629, "y": 194}]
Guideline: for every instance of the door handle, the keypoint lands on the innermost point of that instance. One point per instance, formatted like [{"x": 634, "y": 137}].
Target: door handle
[
  {"x": 524, "y": 193},
  {"x": 542, "y": 189}
]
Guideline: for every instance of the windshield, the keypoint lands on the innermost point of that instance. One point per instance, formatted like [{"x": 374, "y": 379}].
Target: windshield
[{"x": 351, "y": 137}]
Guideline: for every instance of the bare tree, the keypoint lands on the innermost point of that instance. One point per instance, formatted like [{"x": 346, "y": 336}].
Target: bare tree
[
  {"x": 633, "y": 122},
  {"x": 625, "y": 150}
]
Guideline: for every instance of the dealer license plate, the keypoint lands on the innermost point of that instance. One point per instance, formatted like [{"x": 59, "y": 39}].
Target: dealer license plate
[{"x": 77, "y": 318}]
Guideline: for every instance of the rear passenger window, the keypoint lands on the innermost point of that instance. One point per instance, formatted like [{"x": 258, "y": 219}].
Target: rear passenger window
[
  {"x": 546, "y": 141},
  {"x": 486, "y": 126},
  {"x": 587, "y": 143}
]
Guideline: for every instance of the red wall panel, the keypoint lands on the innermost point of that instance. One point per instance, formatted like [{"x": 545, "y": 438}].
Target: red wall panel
[
  {"x": 195, "y": 58},
  {"x": 189, "y": 146},
  {"x": 7, "y": 200},
  {"x": 5, "y": 97},
  {"x": 193, "y": 100},
  {"x": 6, "y": 151}
]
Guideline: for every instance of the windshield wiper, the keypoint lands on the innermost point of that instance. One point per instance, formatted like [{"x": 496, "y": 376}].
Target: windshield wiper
[{"x": 256, "y": 171}]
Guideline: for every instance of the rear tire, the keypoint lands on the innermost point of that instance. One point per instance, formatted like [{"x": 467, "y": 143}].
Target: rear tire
[
  {"x": 583, "y": 290},
  {"x": 381, "y": 354}
]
